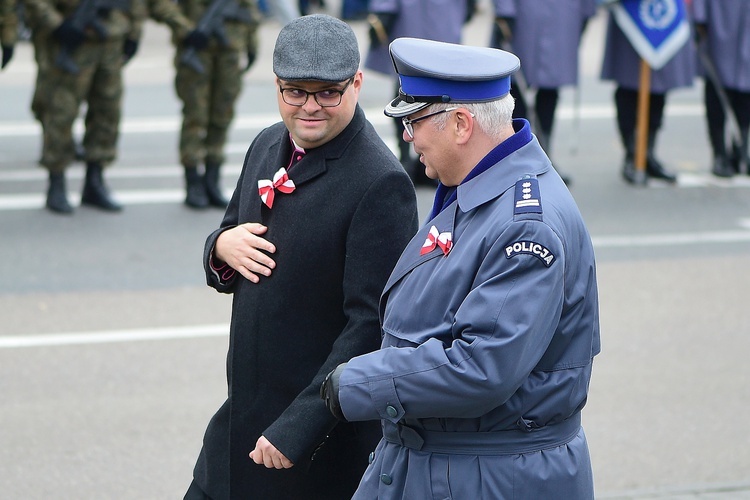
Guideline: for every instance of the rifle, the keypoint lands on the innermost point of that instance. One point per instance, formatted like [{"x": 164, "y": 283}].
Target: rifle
[
  {"x": 211, "y": 24},
  {"x": 88, "y": 14}
]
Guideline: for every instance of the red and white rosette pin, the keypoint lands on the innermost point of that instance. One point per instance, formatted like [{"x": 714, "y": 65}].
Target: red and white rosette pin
[
  {"x": 267, "y": 188},
  {"x": 437, "y": 239}
]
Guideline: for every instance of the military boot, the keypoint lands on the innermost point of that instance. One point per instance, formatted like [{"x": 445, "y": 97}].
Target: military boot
[
  {"x": 213, "y": 186},
  {"x": 654, "y": 168},
  {"x": 57, "y": 197},
  {"x": 546, "y": 143},
  {"x": 95, "y": 192},
  {"x": 723, "y": 164},
  {"x": 629, "y": 172},
  {"x": 195, "y": 189}
]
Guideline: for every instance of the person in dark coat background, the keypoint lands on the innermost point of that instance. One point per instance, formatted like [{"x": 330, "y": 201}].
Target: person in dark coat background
[
  {"x": 545, "y": 35},
  {"x": 320, "y": 214},
  {"x": 491, "y": 316},
  {"x": 725, "y": 29},
  {"x": 622, "y": 65}
]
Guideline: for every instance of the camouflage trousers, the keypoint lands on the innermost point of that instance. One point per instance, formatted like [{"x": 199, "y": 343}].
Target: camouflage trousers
[
  {"x": 99, "y": 85},
  {"x": 208, "y": 101}
]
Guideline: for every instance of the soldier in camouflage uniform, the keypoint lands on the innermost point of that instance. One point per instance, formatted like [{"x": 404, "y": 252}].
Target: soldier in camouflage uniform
[
  {"x": 95, "y": 78},
  {"x": 209, "y": 96},
  {"x": 8, "y": 30}
]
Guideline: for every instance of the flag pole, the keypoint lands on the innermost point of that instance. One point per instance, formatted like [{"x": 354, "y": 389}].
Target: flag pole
[{"x": 641, "y": 144}]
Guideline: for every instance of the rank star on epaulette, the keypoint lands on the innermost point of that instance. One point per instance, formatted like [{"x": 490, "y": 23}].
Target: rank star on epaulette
[
  {"x": 531, "y": 248},
  {"x": 527, "y": 197}
]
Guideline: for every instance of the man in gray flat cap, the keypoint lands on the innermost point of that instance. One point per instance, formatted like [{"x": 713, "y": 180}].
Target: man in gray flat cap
[
  {"x": 319, "y": 217},
  {"x": 490, "y": 318}
]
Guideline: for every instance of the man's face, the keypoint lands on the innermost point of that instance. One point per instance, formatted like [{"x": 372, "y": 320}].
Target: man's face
[
  {"x": 433, "y": 145},
  {"x": 311, "y": 124}
]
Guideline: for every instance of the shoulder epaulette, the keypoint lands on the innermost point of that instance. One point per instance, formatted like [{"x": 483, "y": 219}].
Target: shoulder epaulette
[{"x": 527, "y": 198}]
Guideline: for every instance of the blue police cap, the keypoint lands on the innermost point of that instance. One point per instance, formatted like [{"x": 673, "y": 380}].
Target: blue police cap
[{"x": 431, "y": 72}]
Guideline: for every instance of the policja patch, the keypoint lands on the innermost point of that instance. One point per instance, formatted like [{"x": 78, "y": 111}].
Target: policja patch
[{"x": 531, "y": 248}]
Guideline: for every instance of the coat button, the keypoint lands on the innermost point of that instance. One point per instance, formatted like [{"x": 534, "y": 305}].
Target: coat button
[
  {"x": 391, "y": 411},
  {"x": 371, "y": 458},
  {"x": 386, "y": 479}
]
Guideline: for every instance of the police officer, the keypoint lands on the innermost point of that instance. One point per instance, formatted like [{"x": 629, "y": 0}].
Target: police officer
[
  {"x": 622, "y": 65},
  {"x": 545, "y": 34},
  {"x": 490, "y": 318},
  {"x": 8, "y": 30},
  {"x": 86, "y": 67},
  {"x": 724, "y": 28},
  {"x": 440, "y": 20},
  {"x": 208, "y": 81}
]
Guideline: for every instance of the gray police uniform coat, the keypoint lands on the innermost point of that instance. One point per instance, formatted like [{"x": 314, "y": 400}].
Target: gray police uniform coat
[
  {"x": 728, "y": 39},
  {"x": 622, "y": 64},
  {"x": 546, "y": 37},
  {"x": 440, "y": 20},
  {"x": 338, "y": 236},
  {"x": 487, "y": 352}
]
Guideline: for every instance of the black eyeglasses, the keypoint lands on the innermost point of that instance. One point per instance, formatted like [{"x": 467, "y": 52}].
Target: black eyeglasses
[
  {"x": 328, "y": 98},
  {"x": 408, "y": 123}
]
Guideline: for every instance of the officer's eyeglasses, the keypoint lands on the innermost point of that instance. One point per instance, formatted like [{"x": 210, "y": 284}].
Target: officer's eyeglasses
[
  {"x": 328, "y": 98},
  {"x": 408, "y": 123}
]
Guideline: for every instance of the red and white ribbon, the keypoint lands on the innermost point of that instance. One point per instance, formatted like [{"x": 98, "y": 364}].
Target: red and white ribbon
[
  {"x": 437, "y": 239},
  {"x": 267, "y": 189}
]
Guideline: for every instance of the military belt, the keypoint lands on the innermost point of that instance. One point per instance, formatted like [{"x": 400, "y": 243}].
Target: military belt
[{"x": 506, "y": 442}]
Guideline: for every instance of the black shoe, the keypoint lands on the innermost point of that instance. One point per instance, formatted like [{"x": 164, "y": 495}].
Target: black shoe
[
  {"x": 655, "y": 169},
  {"x": 57, "y": 198},
  {"x": 722, "y": 167},
  {"x": 195, "y": 189},
  {"x": 95, "y": 192},
  {"x": 213, "y": 186}
]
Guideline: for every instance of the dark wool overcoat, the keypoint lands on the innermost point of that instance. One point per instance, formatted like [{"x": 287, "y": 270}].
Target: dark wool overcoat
[{"x": 337, "y": 238}]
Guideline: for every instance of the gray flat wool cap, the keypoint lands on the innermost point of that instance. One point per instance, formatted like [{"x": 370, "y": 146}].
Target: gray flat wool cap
[{"x": 316, "y": 47}]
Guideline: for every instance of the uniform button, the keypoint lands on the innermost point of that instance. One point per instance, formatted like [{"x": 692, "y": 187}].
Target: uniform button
[
  {"x": 391, "y": 411},
  {"x": 386, "y": 479},
  {"x": 371, "y": 458}
]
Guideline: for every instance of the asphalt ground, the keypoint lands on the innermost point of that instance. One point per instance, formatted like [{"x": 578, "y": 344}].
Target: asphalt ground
[{"x": 112, "y": 348}]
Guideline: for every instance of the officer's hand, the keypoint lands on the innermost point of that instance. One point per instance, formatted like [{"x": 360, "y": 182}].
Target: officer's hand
[
  {"x": 129, "y": 48},
  {"x": 381, "y": 25},
  {"x": 69, "y": 35},
  {"x": 7, "y": 55},
  {"x": 196, "y": 40},
  {"x": 329, "y": 392},
  {"x": 245, "y": 251}
]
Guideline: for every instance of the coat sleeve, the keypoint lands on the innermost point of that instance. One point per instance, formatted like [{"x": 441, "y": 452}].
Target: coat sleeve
[
  {"x": 382, "y": 225},
  {"x": 500, "y": 331}
]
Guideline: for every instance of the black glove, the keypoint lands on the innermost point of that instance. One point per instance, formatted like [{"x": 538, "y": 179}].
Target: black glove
[
  {"x": 129, "y": 48},
  {"x": 329, "y": 392},
  {"x": 7, "y": 55},
  {"x": 502, "y": 32},
  {"x": 196, "y": 40},
  {"x": 701, "y": 32},
  {"x": 250, "y": 59},
  {"x": 471, "y": 8},
  {"x": 381, "y": 25},
  {"x": 69, "y": 35}
]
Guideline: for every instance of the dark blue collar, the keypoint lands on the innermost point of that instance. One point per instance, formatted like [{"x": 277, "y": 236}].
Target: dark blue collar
[{"x": 445, "y": 195}]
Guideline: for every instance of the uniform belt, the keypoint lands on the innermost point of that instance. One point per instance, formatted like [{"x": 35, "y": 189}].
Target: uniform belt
[{"x": 507, "y": 442}]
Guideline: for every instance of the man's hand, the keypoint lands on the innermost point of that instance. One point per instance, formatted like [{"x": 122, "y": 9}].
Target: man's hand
[
  {"x": 245, "y": 251},
  {"x": 266, "y": 454},
  {"x": 329, "y": 392}
]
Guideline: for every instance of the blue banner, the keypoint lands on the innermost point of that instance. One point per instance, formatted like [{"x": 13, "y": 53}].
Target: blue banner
[{"x": 657, "y": 29}]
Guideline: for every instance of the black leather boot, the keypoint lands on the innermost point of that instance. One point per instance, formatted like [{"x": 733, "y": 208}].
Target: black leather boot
[
  {"x": 213, "y": 186},
  {"x": 722, "y": 167},
  {"x": 95, "y": 192},
  {"x": 57, "y": 197},
  {"x": 629, "y": 172},
  {"x": 654, "y": 168},
  {"x": 545, "y": 142},
  {"x": 195, "y": 189}
]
